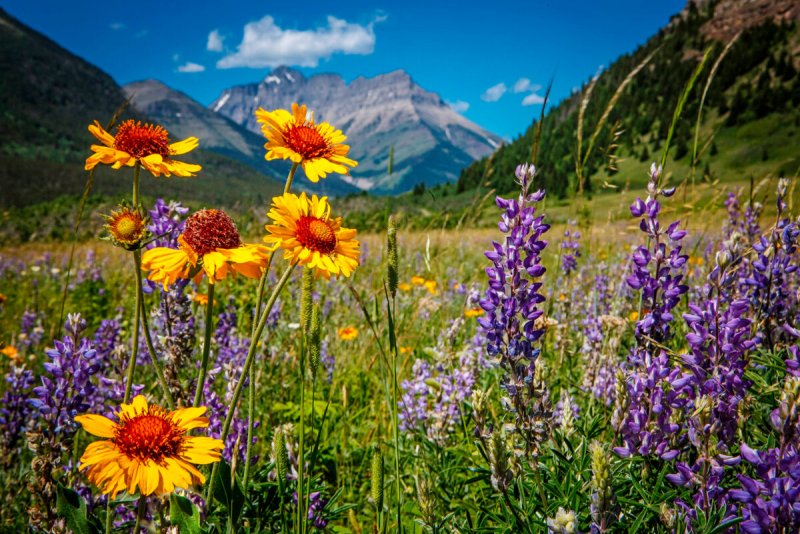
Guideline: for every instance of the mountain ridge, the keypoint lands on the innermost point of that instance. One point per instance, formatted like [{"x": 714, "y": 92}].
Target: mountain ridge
[{"x": 430, "y": 140}]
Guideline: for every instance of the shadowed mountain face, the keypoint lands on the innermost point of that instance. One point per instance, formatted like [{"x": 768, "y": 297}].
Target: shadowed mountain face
[
  {"x": 432, "y": 143},
  {"x": 49, "y": 96}
]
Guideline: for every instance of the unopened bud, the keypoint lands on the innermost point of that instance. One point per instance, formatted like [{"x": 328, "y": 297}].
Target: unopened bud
[
  {"x": 280, "y": 455},
  {"x": 392, "y": 275},
  {"x": 376, "y": 478},
  {"x": 306, "y": 297},
  {"x": 315, "y": 341},
  {"x": 724, "y": 259}
]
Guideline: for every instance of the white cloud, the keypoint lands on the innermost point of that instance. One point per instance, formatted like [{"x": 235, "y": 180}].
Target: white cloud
[
  {"x": 532, "y": 99},
  {"x": 494, "y": 93},
  {"x": 116, "y": 26},
  {"x": 191, "y": 67},
  {"x": 215, "y": 41},
  {"x": 522, "y": 85},
  {"x": 459, "y": 106},
  {"x": 265, "y": 44}
]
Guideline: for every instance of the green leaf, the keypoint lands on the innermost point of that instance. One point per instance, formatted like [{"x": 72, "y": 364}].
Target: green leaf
[
  {"x": 71, "y": 507},
  {"x": 184, "y": 515},
  {"x": 228, "y": 492}
]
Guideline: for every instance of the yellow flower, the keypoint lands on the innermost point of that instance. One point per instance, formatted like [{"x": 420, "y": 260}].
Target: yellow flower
[
  {"x": 11, "y": 351},
  {"x": 633, "y": 316},
  {"x": 126, "y": 227},
  {"x": 456, "y": 286},
  {"x": 200, "y": 298},
  {"x": 146, "y": 143},
  {"x": 317, "y": 147},
  {"x": 147, "y": 448},
  {"x": 210, "y": 239},
  {"x": 402, "y": 286},
  {"x": 347, "y": 333},
  {"x": 405, "y": 350},
  {"x": 417, "y": 280},
  {"x": 473, "y": 312},
  {"x": 308, "y": 235},
  {"x": 430, "y": 285}
]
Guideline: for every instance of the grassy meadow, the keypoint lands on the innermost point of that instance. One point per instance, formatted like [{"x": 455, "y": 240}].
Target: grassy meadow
[{"x": 624, "y": 358}]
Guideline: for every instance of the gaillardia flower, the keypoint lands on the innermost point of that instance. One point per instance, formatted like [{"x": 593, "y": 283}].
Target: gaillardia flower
[
  {"x": 126, "y": 227},
  {"x": 146, "y": 143},
  {"x": 348, "y": 333},
  {"x": 147, "y": 448},
  {"x": 209, "y": 243},
  {"x": 304, "y": 229},
  {"x": 317, "y": 147}
]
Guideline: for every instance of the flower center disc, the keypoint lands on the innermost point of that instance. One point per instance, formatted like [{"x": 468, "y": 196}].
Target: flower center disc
[
  {"x": 141, "y": 140},
  {"x": 208, "y": 230},
  {"x": 126, "y": 227},
  {"x": 306, "y": 141},
  {"x": 316, "y": 234},
  {"x": 149, "y": 436}
]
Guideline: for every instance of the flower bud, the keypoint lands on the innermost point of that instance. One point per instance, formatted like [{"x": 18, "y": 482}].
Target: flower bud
[
  {"x": 392, "y": 266},
  {"x": 565, "y": 522},
  {"x": 315, "y": 341},
  {"x": 280, "y": 455},
  {"x": 724, "y": 259},
  {"x": 376, "y": 478},
  {"x": 306, "y": 297}
]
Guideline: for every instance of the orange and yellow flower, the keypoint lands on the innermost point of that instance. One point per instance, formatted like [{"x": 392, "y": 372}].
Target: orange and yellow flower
[
  {"x": 145, "y": 143},
  {"x": 348, "y": 333},
  {"x": 633, "y": 316},
  {"x": 11, "y": 352},
  {"x": 126, "y": 227},
  {"x": 473, "y": 312},
  {"x": 209, "y": 243},
  {"x": 403, "y": 286},
  {"x": 430, "y": 285},
  {"x": 148, "y": 448},
  {"x": 200, "y": 298},
  {"x": 309, "y": 236},
  {"x": 417, "y": 280},
  {"x": 295, "y": 136},
  {"x": 3, "y": 298}
]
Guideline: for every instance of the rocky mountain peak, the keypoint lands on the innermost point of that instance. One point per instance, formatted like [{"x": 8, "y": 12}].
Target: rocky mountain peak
[{"x": 431, "y": 142}]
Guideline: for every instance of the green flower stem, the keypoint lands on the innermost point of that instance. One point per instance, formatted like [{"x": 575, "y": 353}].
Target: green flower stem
[
  {"x": 136, "y": 170},
  {"x": 109, "y": 517},
  {"x": 301, "y": 500},
  {"x": 201, "y": 378},
  {"x": 391, "y": 304},
  {"x": 140, "y": 513},
  {"x": 136, "y": 319},
  {"x": 251, "y": 390},
  {"x": 289, "y": 179},
  {"x": 150, "y": 347},
  {"x": 251, "y": 352},
  {"x": 138, "y": 310}
]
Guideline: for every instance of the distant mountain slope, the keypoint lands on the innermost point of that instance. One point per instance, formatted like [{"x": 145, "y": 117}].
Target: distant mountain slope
[
  {"x": 752, "y": 107},
  {"x": 49, "y": 96},
  {"x": 431, "y": 141}
]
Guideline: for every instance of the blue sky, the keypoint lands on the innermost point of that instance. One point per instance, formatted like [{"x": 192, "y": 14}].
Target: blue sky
[{"x": 486, "y": 58}]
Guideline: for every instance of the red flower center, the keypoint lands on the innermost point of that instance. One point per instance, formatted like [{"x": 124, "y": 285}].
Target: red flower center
[
  {"x": 141, "y": 140},
  {"x": 149, "y": 436},
  {"x": 306, "y": 141},
  {"x": 208, "y": 230},
  {"x": 316, "y": 234}
]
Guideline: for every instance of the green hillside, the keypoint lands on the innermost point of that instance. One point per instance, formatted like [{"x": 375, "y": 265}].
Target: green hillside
[
  {"x": 48, "y": 97},
  {"x": 752, "y": 109}
]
